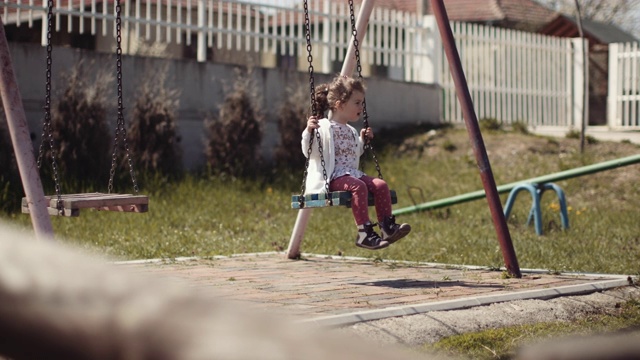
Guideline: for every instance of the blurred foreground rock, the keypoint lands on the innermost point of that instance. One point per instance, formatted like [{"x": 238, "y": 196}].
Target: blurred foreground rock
[
  {"x": 60, "y": 303},
  {"x": 620, "y": 346}
]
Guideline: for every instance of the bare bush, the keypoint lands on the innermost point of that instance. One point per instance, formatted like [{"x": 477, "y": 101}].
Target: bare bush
[
  {"x": 7, "y": 156},
  {"x": 234, "y": 135},
  {"x": 10, "y": 186},
  {"x": 80, "y": 129},
  {"x": 292, "y": 119},
  {"x": 153, "y": 136}
]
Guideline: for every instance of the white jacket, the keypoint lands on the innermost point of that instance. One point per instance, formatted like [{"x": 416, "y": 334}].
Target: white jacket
[{"x": 315, "y": 182}]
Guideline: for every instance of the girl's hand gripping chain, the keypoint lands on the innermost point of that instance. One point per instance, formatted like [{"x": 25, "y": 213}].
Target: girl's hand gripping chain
[
  {"x": 312, "y": 123},
  {"x": 366, "y": 134}
]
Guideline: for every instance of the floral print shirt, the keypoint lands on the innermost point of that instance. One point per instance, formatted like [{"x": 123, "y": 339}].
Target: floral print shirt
[{"x": 346, "y": 155}]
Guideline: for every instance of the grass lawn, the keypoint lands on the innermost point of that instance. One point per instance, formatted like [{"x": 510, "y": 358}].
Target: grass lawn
[{"x": 211, "y": 216}]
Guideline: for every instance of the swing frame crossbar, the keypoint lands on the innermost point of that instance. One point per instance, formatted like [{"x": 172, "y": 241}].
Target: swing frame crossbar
[
  {"x": 334, "y": 198},
  {"x": 71, "y": 204}
]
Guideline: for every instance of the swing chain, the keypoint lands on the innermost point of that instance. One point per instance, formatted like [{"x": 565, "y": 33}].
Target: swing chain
[
  {"x": 307, "y": 27},
  {"x": 365, "y": 115},
  {"x": 120, "y": 125},
  {"x": 313, "y": 112},
  {"x": 46, "y": 123}
]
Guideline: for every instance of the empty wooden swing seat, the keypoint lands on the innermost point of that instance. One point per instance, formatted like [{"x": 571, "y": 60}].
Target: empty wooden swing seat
[
  {"x": 338, "y": 198},
  {"x": 73, "y": 203}
]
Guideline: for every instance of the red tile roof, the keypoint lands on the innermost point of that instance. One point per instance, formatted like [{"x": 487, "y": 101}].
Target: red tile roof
[
  {"x": 513, "y": 11},
  {"x": 526, "y": 10},
  {"x": 480, "y": 10}
]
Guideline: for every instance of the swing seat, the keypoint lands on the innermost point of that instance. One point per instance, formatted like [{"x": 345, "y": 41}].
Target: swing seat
[
  {"x": 339, "y": 198},
  {"x": 72, "y": 203}
]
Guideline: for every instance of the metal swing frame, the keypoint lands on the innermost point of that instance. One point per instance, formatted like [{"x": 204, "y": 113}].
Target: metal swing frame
[
  {"x": 335, "y": 198},
  {"x": 70, "y": 204}
]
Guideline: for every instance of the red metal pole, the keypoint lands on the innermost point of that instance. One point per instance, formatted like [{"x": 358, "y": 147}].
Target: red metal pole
[{"x": 471, "y": 121}]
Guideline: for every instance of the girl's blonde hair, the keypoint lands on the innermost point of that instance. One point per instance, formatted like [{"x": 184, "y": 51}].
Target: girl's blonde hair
[{"x": 340, "y": 89}]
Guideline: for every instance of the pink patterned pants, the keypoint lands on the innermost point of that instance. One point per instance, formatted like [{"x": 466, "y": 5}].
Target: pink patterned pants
[{"x": 360, "y": 188}]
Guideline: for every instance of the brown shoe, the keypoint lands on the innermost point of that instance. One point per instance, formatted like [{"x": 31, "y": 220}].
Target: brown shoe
[
  {"x": 392, "y": 232},
  {"x": 367, "y": 238}
]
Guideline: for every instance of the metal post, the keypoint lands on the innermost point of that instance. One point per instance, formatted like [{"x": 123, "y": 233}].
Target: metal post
[
  {"x": 612, "y": 91},
  {"x": 348, "y": 66},
  {"x": 349, "y": 63},
  {"x": 325, "y": 51},
  {"x": 471, "y": 121},
  {"x": 22, "y": 145},
  {"x": 580, "y": 85},
  {"x": 585, "y": 71},
  {"x": 201, "y": 55}
]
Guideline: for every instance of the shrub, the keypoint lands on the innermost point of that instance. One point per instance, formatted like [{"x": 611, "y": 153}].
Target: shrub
[
  {"x": 490, "y": 124},
  {"x": 520, "y": 127},
  {"x": 10, "y": 185},
  {"x": 292, "y": 120},
  {"x": 575, "y": 134},
  {"x": 449, "y": 146},
  {"x": 80, "y": 130},
  {"x": 7, "y": 156},
  {"x": 153, "y": 136},
  {"x": 572, "y": 134},
  {"x": 234, "y": 135}
]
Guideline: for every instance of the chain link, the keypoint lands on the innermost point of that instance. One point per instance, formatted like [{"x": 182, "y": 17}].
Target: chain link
[
  {"x": 47, "y": 135},
  {"x": 314, "y": 111},
  {"x": 365, "y": 115},
  {"x": 120, "y": 125}
]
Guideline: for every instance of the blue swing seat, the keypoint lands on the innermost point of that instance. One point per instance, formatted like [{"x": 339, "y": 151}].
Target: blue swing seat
[{"x": 335, "y": 198}]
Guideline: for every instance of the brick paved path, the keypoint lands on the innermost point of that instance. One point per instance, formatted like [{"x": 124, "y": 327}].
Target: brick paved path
[{"x": 323, "y": 287}]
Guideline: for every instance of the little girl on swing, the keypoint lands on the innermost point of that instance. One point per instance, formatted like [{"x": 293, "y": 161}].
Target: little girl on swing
[{"x": 342, "y": 147}]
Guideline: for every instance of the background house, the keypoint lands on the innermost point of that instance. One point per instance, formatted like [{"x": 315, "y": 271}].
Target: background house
[
  {"x": 513, "y": 75},
  {"x": 599, "y": 35},
  {"x": 531, "y": 16},
  {"x": 169, "y": 31},
  {"x": 526, "y": 15},
  {"x": 164, "y": 30}
]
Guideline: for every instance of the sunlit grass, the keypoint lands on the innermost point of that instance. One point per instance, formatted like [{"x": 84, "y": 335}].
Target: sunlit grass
[
  {"x": 503, "y": 343},
  {"x": 204, "y": 216}
]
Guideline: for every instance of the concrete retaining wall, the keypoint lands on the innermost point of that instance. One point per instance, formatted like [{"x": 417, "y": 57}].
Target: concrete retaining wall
[{"x": 202, "y": 87}]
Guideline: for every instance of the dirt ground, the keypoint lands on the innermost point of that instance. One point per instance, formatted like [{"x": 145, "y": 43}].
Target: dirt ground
[
  {"x": 433, "y": 326},
  {"x": 416, "y": 330}
]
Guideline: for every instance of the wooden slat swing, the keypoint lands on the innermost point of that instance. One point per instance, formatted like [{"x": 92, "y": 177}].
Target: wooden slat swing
[
  {"x": 328, "y": 198},
  {"x": 71, "y": 204}
]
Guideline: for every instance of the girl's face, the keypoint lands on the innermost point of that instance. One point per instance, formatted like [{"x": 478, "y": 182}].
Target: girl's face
[{"x": 352, "y": 109}]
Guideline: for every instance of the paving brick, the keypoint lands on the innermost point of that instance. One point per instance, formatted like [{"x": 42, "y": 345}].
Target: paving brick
[{"x": 322, "y": 286}]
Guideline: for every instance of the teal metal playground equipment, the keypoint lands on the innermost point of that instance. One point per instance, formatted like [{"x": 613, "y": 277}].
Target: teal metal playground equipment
[
  {"x": 535, "y": 214},
  {"x": 536, "y": 186}
]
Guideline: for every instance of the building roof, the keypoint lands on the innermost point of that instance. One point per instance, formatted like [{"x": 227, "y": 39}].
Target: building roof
[
  {"x": 599, "y": 32},
  {"x": 473, "y": 10},
  {"x": 482, "y": 10},
  {"x": 526, "y": 10}
]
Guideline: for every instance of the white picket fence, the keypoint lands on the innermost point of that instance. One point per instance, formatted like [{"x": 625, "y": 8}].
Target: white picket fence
[
  {"x": 391, "y": 39},
  {"x": 623, "y": 108},
  {"x": 513, "y": 76}
]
